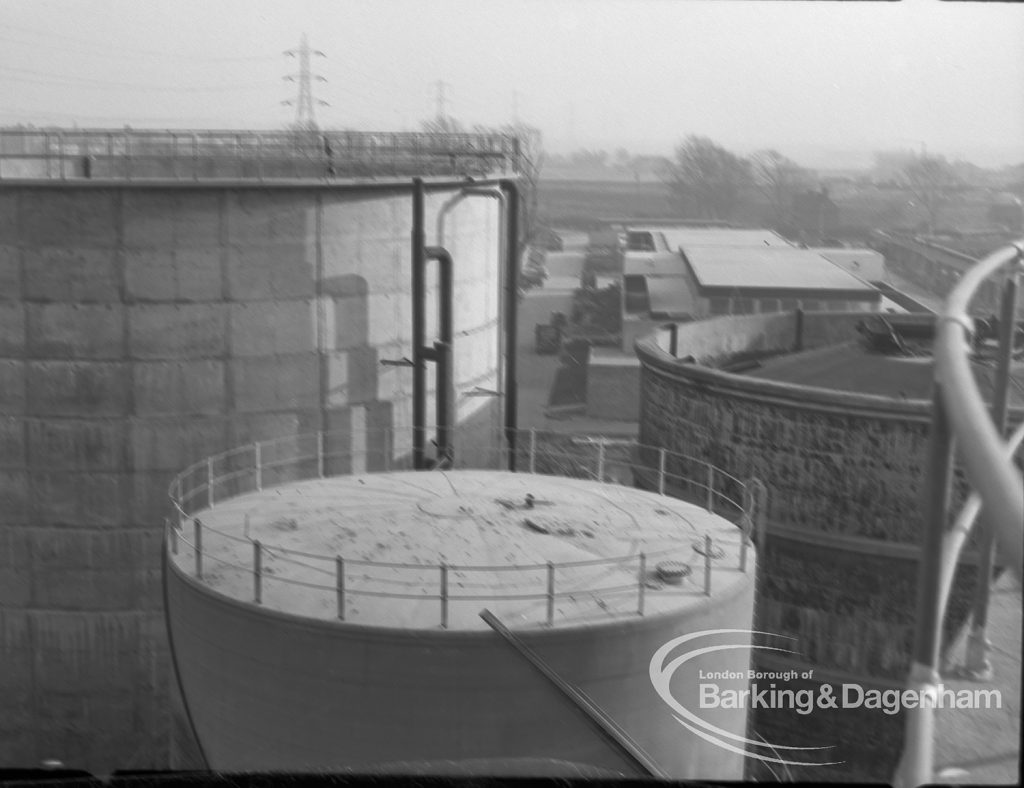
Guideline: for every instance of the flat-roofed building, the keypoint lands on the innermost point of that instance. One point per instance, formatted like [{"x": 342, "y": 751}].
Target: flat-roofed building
[
  {"x": 739, "y": 281},
  {"x": 688, "y": 273}
]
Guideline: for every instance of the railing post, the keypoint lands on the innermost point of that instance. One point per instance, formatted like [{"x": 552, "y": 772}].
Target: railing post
[
  {"x": 533, "y": 450},
  {"x": 641, "y": 583},
  {"x": 173, "y": 533},
  {"x": 661, "y": 471},
  {"x": 209, "y": 481},
  {"x": 707, "y": 564},
  {"x": 258, "y": 460},
  {"x": 339, "y": 575},
  {"x": 711, "y": 488},
  {"x": 744, "y": 539},
  {"x": 181, "y": 504},
  {"x": 600, "y": 460},
  {"x": 320, "y": 454},
  {"x": 976, "y": 662},
  {"x": 918, "y": 762},
  {"x": 551, "y": 593},
  {"x": 198, "y": 538},
  {"x": 257, "y": 572},
  {"x": 444, "y": 596}
]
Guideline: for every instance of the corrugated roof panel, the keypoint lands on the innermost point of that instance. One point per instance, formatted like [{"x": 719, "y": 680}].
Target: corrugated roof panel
[{"x": 751, "y": 267}]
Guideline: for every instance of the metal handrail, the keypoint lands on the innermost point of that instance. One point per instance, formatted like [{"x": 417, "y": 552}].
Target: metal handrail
[
  {"x": 199, "y": 481},
  {"x": 989, "y": 470},
  {"x": 961, "y": 418}
]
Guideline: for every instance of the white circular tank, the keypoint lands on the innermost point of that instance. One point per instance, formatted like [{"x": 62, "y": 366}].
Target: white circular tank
[{"x": 366, "y": 646}]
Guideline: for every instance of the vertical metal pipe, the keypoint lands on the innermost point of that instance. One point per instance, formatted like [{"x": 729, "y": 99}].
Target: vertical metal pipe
[
  {"x": 600, "y": 461},
  {"x": 257, "y": 572},
  {"x": 320, "y": 454},
  {"x": 339, "y": 579},
  {"x": 711, "y": 488},
  {"x": 978, "y": 645},
  {"x": 533, "y": 450},
  {"x": 707, "y": 564},
  {"x": 673, "y": 339},
  {"x": 258, "y": 449},
  {"x": 419, "y": 389},
  {"x": 443, "y": 418},
  {"x": 551, "y": 593},
  {"x": 174, "y": 536},
  {"x": 661, "y": 471},
  {"x": 198, "y": 538},
  {"x": 444, "y": 596},
  {"x": 641, "y": 580},
  {"x": 511, "y": 323},
  {"x": 445, "y": 396},
  {"x": 916, "y": 765}
]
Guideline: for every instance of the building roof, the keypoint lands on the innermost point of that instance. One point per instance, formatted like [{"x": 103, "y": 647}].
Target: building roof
[
  {"x": 866, "y": 264},
  {"x": 687, "y": 237},
  {"x": 765, "y": 268},
  {"x": 653, "y": 264}
]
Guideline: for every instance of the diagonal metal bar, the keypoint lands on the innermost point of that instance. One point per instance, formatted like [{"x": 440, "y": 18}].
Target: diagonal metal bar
[{"x": 619, "y": 740}]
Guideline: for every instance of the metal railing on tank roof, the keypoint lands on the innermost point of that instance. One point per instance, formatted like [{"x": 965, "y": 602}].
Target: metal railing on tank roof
[
  {"x": 266, "y": 464},
  {"x": 194, "y": 155},
  {"x": 961, "y": 419}
]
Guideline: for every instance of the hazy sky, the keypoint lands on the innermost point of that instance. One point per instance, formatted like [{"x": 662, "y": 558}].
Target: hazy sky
[{"x": 640, "y": 74}]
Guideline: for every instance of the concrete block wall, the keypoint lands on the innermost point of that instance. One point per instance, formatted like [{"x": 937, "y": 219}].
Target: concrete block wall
[{"x": 143, "y": 328}]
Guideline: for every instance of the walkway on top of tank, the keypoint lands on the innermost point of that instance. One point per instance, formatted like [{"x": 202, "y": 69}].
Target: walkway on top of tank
[{"x": 429, "y": 549}]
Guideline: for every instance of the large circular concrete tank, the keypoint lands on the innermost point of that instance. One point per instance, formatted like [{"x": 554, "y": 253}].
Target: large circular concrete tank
[
  {"x": 146, "y": 325},
  {"x": 367, "y": 648}
]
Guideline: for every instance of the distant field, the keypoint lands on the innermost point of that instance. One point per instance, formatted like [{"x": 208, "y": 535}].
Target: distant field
[{"x": 576, "y": 203}]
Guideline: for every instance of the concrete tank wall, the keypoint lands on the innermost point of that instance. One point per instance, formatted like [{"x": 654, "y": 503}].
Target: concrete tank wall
[
  {"x": 143, "y": 328},
  {"x": 269, "y": 691}
]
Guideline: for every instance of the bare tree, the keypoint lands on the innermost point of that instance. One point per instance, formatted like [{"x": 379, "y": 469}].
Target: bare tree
[
  {"x": 933, "y": 182},
  {"x": 707, "y": 180},
  {"x": 779, "y": 179}
]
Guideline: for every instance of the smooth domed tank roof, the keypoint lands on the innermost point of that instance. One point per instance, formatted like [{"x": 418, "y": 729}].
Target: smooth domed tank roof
[{"x": 495, "y": 531}]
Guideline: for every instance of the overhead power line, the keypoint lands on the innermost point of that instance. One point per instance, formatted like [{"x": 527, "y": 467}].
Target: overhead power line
[
  {"x": 117, "y": 51},
  {"x": 86, "y": 82}
]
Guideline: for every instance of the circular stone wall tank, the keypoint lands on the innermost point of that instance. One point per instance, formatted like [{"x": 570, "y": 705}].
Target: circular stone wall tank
[
  {"x": 845, "y": 474},
  {"x": 367, "y": 647},
  {"x": 147, "y": 325}
]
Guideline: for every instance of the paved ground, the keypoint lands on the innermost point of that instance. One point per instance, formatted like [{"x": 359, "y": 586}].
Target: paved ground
[
  {"x": 536, "y": 374},
  {"x": 982, "y": 747}
]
